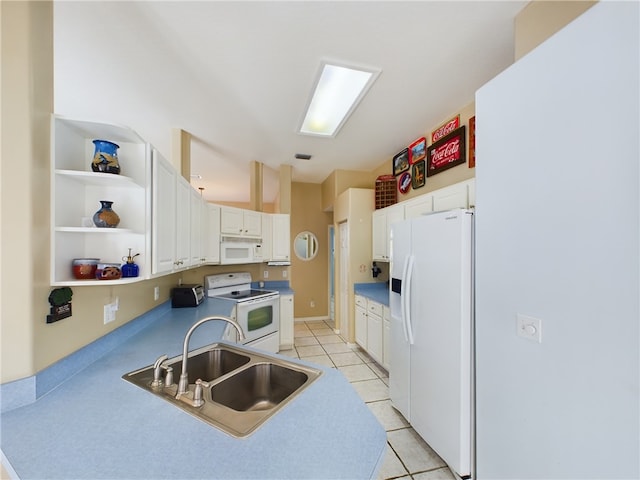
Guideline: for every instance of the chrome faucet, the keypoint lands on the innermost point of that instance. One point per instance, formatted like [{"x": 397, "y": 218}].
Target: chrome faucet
[{"x": 183, "y": 383}]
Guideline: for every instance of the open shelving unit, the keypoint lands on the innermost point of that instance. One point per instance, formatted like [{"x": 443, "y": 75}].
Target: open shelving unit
[{"x": 76, "y": 192}]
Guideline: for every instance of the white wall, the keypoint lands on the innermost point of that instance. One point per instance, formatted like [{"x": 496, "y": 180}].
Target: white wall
[{"x": 558, "y": 239}]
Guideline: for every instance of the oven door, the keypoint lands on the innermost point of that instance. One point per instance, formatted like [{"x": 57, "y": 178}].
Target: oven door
[{"x": 259, "y": 318}]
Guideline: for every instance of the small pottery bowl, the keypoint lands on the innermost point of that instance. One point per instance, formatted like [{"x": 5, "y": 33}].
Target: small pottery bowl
[
  {"x": 108, "y": 271},
  {"x": 84, "y": 268}
]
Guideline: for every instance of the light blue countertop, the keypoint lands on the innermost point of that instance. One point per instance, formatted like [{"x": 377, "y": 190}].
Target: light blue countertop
[
  {"x": 378, "y": 292},
  {"x": 96, "y": 425}
]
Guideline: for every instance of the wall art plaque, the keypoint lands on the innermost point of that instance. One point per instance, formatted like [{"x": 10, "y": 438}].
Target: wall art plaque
[{"x": 446, "y": 153}]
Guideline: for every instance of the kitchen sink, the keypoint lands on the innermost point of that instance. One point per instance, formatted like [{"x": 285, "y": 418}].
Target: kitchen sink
[
  {"x": 210, "y": 364},
  {"x": 258, "y": 387},
  {"x": 240, "y": 389}
]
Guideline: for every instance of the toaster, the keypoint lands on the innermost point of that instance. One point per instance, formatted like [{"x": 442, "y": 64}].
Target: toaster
[{"x": 187, "y": 296}]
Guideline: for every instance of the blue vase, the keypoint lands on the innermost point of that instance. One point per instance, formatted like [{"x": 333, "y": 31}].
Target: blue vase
[
  {"x": 106, "y": 217},
  {"x": 105, "y": 158}
]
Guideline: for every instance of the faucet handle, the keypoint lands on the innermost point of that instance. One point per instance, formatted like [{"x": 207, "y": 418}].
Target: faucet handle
[
  {"x": 157, "y": 371},
  {"x": 197, "y": 393},
  {"x": 168, "y": 379}
]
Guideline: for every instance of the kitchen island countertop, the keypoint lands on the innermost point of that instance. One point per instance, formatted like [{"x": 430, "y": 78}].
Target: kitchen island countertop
[{"x": 96, "y": 425}]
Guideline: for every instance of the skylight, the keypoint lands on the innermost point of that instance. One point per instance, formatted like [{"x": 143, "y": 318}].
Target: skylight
[{"x": 337, "y": 93}]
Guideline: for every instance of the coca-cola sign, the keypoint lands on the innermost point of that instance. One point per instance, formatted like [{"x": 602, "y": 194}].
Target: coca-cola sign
[
  {"x": 445, "y": 129},
  {"x": 447, "y": 152}
]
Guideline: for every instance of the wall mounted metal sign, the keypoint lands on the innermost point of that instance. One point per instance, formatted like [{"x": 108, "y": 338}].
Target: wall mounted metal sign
[
  {"x": 418, "y": 174},
  {"x": 418, "y": 150},
  {"x": 447, "y": 152},
  {"x": 401, "y": 162},
  {"x": 445, "y": 129}
]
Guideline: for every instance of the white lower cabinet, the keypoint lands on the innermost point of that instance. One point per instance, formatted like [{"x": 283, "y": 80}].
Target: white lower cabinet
[
  {"x": 371, "y": 330},
  {"x": 361, "y": 321},
  {"x": 374, "y": 331},
  {"x": 286, "y": 322}
]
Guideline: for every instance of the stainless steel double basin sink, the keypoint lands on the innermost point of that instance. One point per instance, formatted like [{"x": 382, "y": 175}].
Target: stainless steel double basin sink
[{"x": 240, "y": 389}]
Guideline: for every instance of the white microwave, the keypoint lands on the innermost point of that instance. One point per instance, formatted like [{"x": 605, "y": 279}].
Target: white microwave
[{"x": 240, "y": 251}]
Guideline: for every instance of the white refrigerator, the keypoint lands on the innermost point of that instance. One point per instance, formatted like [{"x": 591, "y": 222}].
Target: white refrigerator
[{"x": 431, "y": 302}]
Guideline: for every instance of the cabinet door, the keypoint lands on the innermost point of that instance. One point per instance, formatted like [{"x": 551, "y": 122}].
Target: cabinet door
[
  {"x": 267, "y": 237},
  {"x": 447, "y": 198},
  {"x": 471, "y": 192},
  {"x": 418, "y": 206},
  {"x": 163, "y": 222},
  {"x": 231, "y": 221},
  {"x": 183, "y": 223},
  {"x": 210, "y": 235},
  {"x": 374, "y": 336},
  {"x": 386, "y": 336},
  {"x": 286, "y": 322},
  {"x": 394, "y": 214},
  {"x": 281, "y": 237},
  {"x": 378, "y": 235},
  {"x": 361, "y": 327},
  {"x": 196, "y": 206},
  {"x": 252, "y": 222}
]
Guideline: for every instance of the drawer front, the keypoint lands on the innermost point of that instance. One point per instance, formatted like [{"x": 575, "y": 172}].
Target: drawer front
[
  {"x": 361, "y": 301},
  {"x": 375, "y": 308}
]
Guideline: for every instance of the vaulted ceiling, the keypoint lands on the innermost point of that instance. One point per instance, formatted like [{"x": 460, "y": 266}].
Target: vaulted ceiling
[{"x": 237, "y": 75}]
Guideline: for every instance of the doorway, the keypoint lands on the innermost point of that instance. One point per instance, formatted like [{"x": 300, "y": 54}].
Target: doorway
[
  {"x": 332, "y": 271},
  {"x": 343, "y": 284}
]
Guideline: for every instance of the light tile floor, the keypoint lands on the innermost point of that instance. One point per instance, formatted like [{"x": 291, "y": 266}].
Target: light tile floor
[{"x": 408, "y": 456}]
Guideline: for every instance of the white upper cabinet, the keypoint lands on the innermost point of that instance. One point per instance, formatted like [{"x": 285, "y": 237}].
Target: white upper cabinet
[
  {"x": 171, "y": 219},
  {"x": 77, "y": 192},
  {"x": 196, "y": 206},
  {"x": 276, "y": 242},
  {"x": 281, "y": 237},
  {"x": 459, "y": 195},
  {"x": 418, "y": 206},
  {"x": 163, "y": 234},
  {"x": 454, "y": 196},
  {"x": 183, "y": 223},
  {"x": 381, "y": 221},
  {"x": 379, "y": 235},
  {"x": 240, "y": 222},
  {"x": 210, "y": 233}
]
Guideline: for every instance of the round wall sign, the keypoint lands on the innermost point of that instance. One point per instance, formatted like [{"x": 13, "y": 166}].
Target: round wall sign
[{"x": 404, "y": 183}]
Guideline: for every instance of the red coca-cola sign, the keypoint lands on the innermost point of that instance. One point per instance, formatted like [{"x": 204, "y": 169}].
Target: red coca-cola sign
[
  {"x": 445, "y": 129},
  {"x": 447, "y": 152}
]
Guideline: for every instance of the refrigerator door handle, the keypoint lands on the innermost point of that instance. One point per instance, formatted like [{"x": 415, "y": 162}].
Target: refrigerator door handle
[
  {"x": 407, "y": 300},
  {"x": 403, "y": 295}
]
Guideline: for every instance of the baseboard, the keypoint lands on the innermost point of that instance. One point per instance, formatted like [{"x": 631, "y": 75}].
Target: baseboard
[{"x": 311, "y": 319}]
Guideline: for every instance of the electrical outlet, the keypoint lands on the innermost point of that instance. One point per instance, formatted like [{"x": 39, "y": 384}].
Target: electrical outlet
[
  {"x": 312, "y": 303},
  {"x": 156, "y": 293},
  {"x": 265, "y": 274},
  {"x": 284, "y": 274},
  {"x": 109, "y": 313}
]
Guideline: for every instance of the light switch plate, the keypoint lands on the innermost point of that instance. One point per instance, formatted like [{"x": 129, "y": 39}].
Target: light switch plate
[{"x": 529, "y": 328}]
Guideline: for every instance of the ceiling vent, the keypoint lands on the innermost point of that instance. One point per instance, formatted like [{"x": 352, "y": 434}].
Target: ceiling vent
[{"x": 303, "y": 156}]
